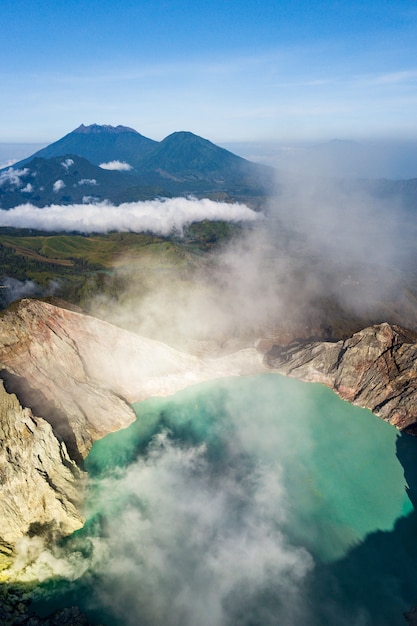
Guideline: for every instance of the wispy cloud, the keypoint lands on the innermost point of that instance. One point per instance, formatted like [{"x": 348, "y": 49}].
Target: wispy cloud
[
  {"x": 8, "y": 163},
  {"x": 393, "y": 78}
]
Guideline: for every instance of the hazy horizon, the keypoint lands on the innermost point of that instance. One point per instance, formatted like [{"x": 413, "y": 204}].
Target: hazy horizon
[{"x": 358, "y": 158}]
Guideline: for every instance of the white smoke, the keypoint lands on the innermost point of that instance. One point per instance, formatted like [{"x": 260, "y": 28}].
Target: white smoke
[
  {"x": 119, "y": 166},
  {"x": 161, "y": 217},
  {"x": 12, "y": 289},
  {"x": 201, "y": 546},
  {"x": 183, "y": 542}
]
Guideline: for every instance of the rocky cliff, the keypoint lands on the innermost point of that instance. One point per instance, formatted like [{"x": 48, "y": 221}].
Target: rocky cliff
[
  {"x": 41, "y": 488},
  {"x": 376, "y": 368}
]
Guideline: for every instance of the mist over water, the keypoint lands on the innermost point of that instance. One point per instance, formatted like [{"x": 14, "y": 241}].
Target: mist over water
[{"x": 247, "y": 501}]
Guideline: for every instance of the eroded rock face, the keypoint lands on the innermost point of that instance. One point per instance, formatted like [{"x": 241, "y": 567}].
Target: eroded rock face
[
  {"x": 376, "y": 368},
  {"x": 41, "y": 488}
]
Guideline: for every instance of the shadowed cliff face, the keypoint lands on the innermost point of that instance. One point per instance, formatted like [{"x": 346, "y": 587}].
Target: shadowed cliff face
[{"x": 375, "y": 369}]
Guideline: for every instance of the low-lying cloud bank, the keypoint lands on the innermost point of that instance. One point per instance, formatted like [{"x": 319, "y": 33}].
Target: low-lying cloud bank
[{"x": 161, "y": 216}]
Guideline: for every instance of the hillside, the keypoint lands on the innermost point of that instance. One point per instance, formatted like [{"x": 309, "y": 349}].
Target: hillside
[{"x": 184, "y": 159}]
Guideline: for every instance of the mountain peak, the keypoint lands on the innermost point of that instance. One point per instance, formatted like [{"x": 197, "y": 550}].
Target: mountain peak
[
  {"x": 185, "y": 135},
  {"x": 98, "y": 144},
  {"x": 104, "y": 128}
]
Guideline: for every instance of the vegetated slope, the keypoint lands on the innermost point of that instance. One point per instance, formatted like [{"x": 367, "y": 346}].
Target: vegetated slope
[
  {"x": 100, "y": 251},
  {"x": 126, "y": 266},
  {"x": 184, "y": 159},
  {"x": 76, "y": 268}
]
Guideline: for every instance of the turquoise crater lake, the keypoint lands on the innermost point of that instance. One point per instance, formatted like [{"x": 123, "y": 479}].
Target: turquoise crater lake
[{"x": 248, "y": 501}]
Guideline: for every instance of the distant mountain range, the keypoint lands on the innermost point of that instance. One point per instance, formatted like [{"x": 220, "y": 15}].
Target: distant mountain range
[{"x": 95, "y": 163}]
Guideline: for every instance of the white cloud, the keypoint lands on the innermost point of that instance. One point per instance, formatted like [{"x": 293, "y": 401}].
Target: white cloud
[
  {"x": 120, "y": 166},
  {"x": 27, "y": 189},
  {"x": 12, "y": 177},
  {"x": 87, "y": 181},
  {"x": 67, "y": 163},
  {"x": 58, "y": 185},
  {"x": 157, "y": 216}
]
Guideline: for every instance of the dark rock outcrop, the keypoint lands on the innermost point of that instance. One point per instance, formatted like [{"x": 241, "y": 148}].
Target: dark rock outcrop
[{"x": 376, "y": 368}]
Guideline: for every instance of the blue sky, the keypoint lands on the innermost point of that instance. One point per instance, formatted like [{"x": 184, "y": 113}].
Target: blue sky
[{"x": 236, "y": 70}]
